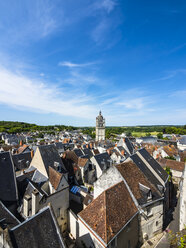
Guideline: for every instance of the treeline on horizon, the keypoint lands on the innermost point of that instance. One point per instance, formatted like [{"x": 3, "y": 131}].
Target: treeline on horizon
[{"x": 18, "y": 127}]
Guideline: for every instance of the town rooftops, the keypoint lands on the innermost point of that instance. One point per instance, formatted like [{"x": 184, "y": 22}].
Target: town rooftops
[
  {"x": 154, "y": 164},
  {"x": 172, "y": 164},
  {"x": 21, "y": 149},
  {"x": 39, "y": 231},
  {"x": 109, "y": 212},
  {"x": 129, "y": 145},
  {"x": 88, "y": 152},
  {"x": 8, "y": 185},
  {"x": 22, "y": 160},
  {"x": 147, "y": 172},
  {"x": 103, "y": 159},
  {"x": 50, "y": 155},
  {"x": 135, "y": 178},
  {"x": 183, "y": 140},
  {"x": 78, "y": 152}
]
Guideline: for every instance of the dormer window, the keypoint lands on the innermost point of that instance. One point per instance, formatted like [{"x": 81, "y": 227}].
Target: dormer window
[
  {"x": 146, "y": 192},
  {"x": 57, "y": 166}
]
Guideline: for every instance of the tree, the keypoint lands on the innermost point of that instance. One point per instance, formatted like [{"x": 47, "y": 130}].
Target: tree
[{"x": 160, "y": 136}]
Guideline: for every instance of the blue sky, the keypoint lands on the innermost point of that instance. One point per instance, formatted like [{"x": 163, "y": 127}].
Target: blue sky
[{"x": 62, "y": 61}]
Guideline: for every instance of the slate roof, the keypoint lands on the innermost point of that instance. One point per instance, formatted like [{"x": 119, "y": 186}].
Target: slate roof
[
  {"x": 154, "y": 164},
  {"x": 88, "y": 152},
  {"x": 22, "y": 160},
  {"x": 109, "y": 212},
  {"x": 102, "y": 159},
  {"x": 54, "y": 177},
  {"x": 50, "y": 155},
  {"x": 8, "y": 185},
  {"x": 141, "y": 165},
  {"x": 129, "y": 145},
  {"x": 39, "y": 231},
  {"x": 38, "y": 177},
  {"x": 9, "y": 219},
  {"x": 78, "y": 152},
  {"x": 183, "y": 140},
  {"x": 134, "y": 176},
  {"x": 172, "y": 164}
]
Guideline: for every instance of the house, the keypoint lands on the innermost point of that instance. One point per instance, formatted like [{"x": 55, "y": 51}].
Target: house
[
  {"x": 155, "y": 174},
  {"x": 8, "y": 185},
  {"x": 146, "y": 197},
  {"x": 23, "y": 149},
  {"x": 127, "y": 144},
  {"x": 41, "y": 230},
  {"x": 176, "y": 168},
  {"x": 88, "y": 173},
  {"x": 45, "y": 156},
  {"x": 111, "y": 220},
  {"x": 101, "y": 163},
  {"x": 54, "y": 192},
  {"x": 22, "y": 160},
  {"x": 181, "y": 144}
]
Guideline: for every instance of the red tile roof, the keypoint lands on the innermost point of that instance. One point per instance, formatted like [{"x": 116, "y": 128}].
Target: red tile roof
[
  {"x": 54, "y": 177},
  {"x": 109, "y": 212},
  {"x": 172, "y": 164},
  {"x": 133, "y": 176}
]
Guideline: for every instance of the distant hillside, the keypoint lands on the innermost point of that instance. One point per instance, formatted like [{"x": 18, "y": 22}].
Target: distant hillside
[{"x": 18, "y": 127}]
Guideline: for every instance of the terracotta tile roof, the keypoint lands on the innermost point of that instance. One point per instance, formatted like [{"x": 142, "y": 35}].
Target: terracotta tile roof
[
  {"x": 82, "y": 161},
  {"x": 172, "y": 164},
  {"x": 109, "y": 212},
  {"x": 170, "y": 150},
  {"x": 22, "y": 148},
  {"x": 133, "y": 176},
  {"x": 54, "y": 177}
]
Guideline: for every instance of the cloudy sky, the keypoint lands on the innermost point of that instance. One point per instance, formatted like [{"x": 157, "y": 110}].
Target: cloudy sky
[{"x": 62, "y": 61}]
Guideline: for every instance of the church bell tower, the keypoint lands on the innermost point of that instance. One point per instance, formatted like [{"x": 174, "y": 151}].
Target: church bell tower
[{"x": 100, "y": 127}]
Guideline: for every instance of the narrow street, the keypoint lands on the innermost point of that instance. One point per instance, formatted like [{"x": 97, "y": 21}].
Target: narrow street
[{"x": 173, "y": 226}]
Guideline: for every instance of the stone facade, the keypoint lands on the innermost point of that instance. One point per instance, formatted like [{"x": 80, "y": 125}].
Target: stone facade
[{"x": 100, "y": 127}]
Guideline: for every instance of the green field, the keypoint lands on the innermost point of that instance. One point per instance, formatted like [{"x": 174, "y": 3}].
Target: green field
[{"x": 141, "y": 134}]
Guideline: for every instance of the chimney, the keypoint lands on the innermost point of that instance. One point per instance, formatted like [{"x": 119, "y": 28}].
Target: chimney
[
  {"x": 32, "y": 154},
  {"x": 35, "y": 201},
  {"x": 21, "y": 143},
  {"x": 27, "y": 205}
]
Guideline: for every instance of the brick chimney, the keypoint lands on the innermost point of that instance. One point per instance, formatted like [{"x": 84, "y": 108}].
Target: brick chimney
[
  {"x": 35, "y": 201},
  {"x": 32, "y": 154},
  {"x": 21, "y": 143}
]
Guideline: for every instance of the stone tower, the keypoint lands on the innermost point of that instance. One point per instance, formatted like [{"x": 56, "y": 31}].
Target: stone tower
[{"x": 100, "y": 127}]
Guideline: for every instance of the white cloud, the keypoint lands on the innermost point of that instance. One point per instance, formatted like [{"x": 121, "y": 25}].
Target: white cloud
[
  {"x": 72, "y": 65},
  {"x": 18, "y": 90}
]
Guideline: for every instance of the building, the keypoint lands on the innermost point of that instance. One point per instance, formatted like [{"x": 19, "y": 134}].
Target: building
[{"x": 100, "y": 127}]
